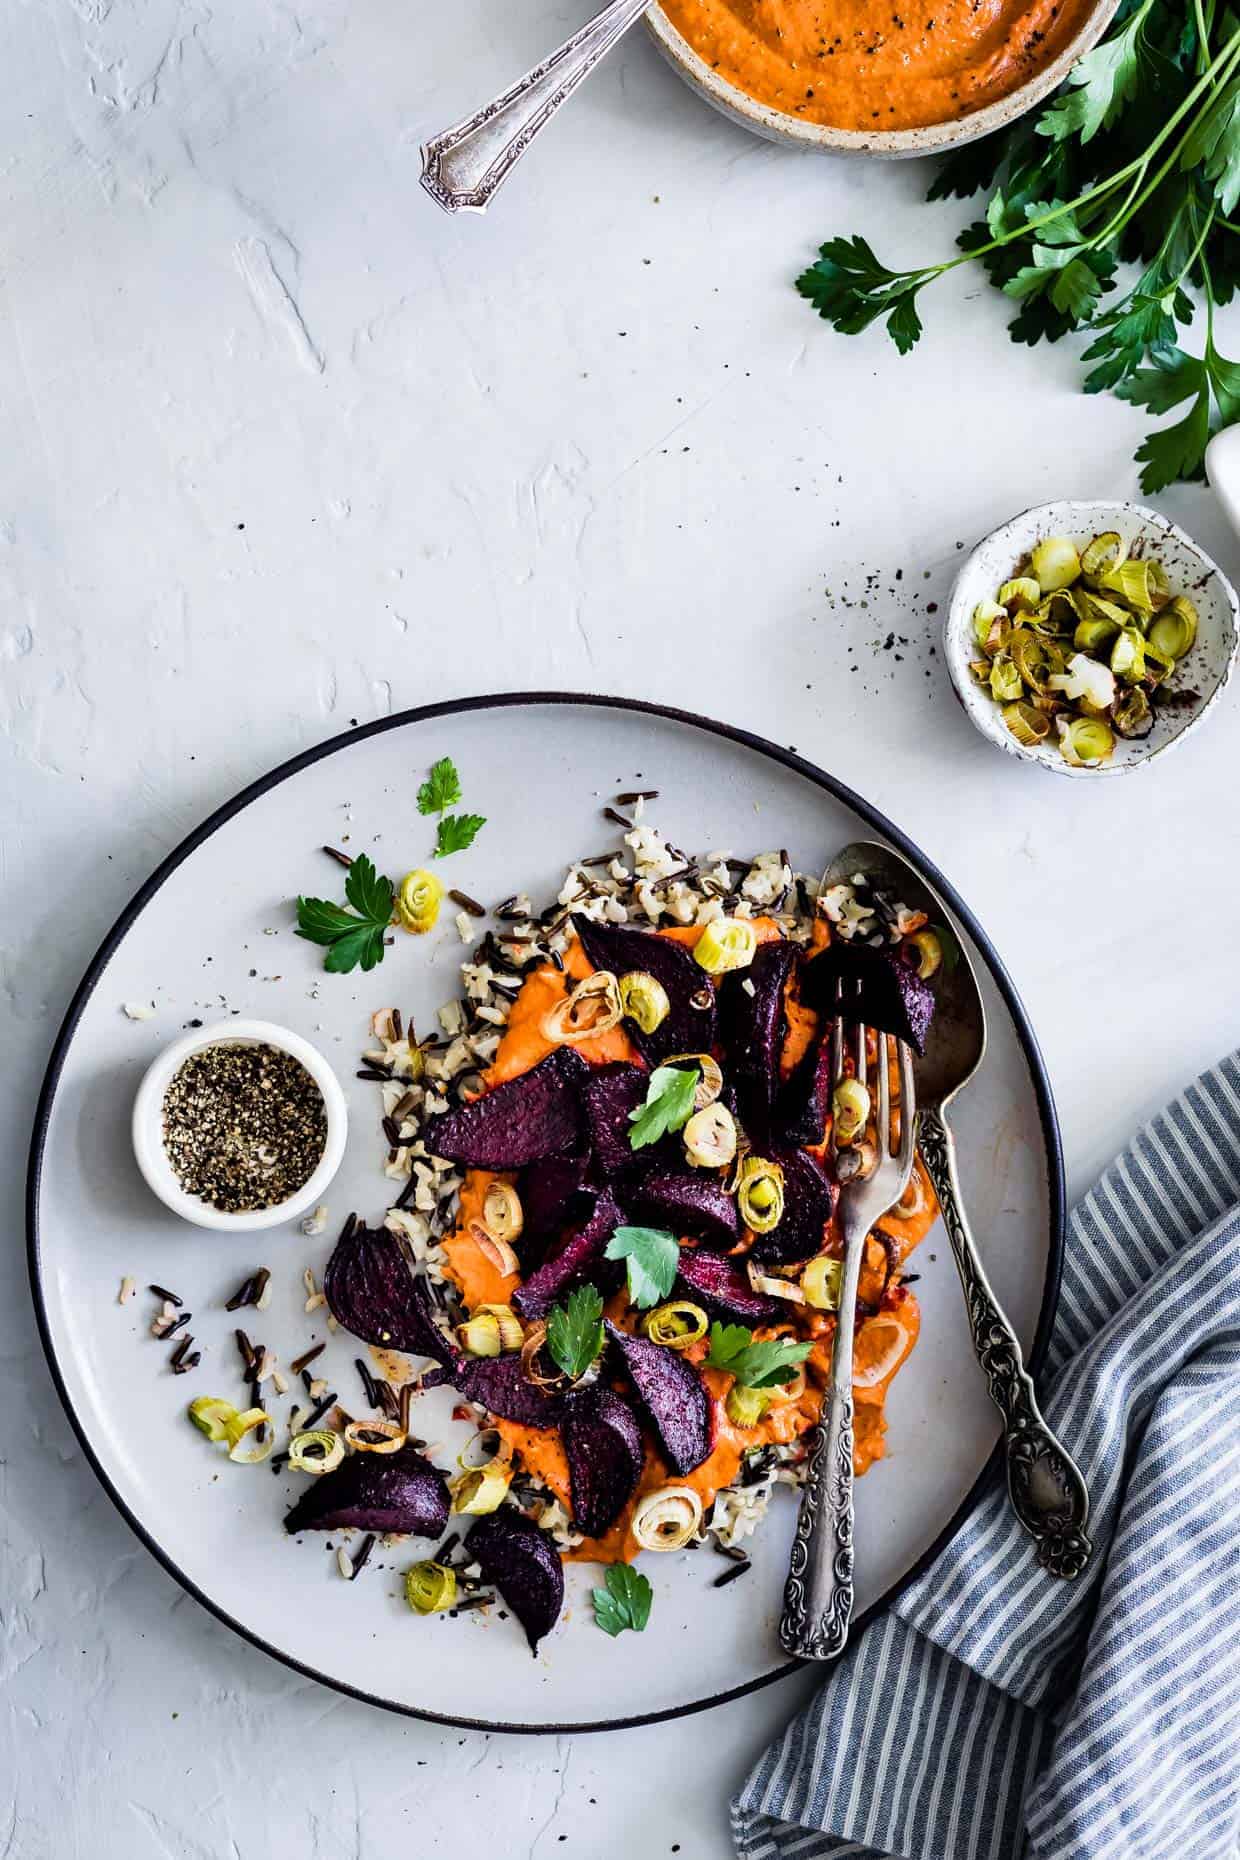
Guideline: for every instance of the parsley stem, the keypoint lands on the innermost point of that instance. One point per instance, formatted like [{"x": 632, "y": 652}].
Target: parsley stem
[
  {"x": 1186, "y": 269},
  {"x": 1203, "y": 36},
  {"x": 1223, "y": 59},
  {"x": 1227, "y": 225}
]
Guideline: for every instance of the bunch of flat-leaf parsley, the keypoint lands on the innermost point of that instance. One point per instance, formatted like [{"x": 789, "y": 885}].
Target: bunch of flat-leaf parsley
[{"x": 1136, "y": 161}]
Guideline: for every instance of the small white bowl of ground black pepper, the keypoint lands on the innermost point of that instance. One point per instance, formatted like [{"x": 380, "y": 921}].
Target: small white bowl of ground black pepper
[{"x": 239, "y": 1126}]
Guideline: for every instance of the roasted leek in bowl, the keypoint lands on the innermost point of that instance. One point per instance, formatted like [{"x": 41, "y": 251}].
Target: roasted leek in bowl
[{"x": 1089, "y": 637}]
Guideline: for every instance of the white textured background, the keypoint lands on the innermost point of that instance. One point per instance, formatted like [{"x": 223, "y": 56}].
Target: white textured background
[{"x": 282, "y": 447}]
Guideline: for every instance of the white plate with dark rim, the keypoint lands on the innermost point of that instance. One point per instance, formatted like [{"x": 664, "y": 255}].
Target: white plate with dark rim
[{"x": 211, "y": 932}]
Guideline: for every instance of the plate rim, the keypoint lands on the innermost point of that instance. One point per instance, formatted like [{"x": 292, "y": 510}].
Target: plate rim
[{"x": 511, "y": 700}]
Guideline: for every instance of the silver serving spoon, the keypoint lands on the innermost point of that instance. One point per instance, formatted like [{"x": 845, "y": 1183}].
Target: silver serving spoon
[
  {"x": 1047, "y": 1491},
  {"x": 463, "y": 167}
]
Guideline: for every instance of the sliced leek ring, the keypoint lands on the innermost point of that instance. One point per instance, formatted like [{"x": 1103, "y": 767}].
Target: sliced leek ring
[
  {"x": 375, "y": 1436},
  {"x": 644, "y": 1000},
  {"x": 710, "y": 1137},
  {"x": 319, "y": 1451},
  {"x": 667, "y": 1519},
  {"x": 591, "y": 1008},
  {"x": 726, "y": 944}
]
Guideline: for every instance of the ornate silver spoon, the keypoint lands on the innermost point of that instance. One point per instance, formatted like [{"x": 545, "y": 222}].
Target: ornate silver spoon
[{"x": 464, "y": 166}]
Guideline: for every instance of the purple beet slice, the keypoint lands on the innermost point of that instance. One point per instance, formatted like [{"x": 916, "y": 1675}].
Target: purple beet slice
[
  {"x": 548, "y": 1190},
  {"x": 673, "y": 1396},
  {"x": 522, "y": 1562},
  {"x": 571, "y": 1262},
  {"x": 804, "y": 1099},
  {"x": 603, "y": 1442},
  {"x": 398, "y": 1492},
  {"x": 372, "y": 1292},
  {"x": 892, "y": 995},
  {"x": 521, "y": 1121},
  {"x": 809, "y": 1200},
  {"x": 753, "y": 1024},
  {"x": 502, "y": 1386},
  {"x": 694, "y": 1204},
  {"x": 610, "y": 1093},
  {"x": 721, "y": 1286},
  {"x": 690, "y": 1023}
]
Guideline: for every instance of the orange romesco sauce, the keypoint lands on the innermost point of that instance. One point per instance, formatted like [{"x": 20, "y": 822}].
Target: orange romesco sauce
[
  {"x": 882, "y": 1344},
  {"x": 901, "y": 64}
]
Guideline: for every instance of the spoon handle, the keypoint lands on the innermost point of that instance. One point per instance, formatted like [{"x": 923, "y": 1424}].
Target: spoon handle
[
  {"x": 1047, "y": 1491},
  {"x": 463, "y": 167}
]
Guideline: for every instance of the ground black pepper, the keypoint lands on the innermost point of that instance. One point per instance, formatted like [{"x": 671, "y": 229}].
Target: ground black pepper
[{"x": 244, "y": 1126}]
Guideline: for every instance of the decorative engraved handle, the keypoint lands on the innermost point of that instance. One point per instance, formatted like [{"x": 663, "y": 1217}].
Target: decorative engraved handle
[
  {"x": 464, "y": 166},
  {"x": 1047, "y": 1491},
  {"x": 818, "y": 1595}
]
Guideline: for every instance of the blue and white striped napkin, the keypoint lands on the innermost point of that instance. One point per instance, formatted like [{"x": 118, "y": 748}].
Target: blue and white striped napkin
[{"x": 995, "y": 1713}]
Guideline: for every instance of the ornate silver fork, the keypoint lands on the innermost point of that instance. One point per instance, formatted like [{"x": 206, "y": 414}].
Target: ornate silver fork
[{"x": 818, "y": 1595}]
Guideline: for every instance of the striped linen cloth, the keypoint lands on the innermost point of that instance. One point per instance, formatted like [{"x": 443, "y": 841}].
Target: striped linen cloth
[{"x": 995, "y": 1713}]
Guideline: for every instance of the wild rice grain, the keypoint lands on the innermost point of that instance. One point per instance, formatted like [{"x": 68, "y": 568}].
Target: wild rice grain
[
  {"x": 343, "y": 1564},
  {"x": 363, "y": 1557},
  {"x": 730, "y": 1575},
  {"x": 307, "y": 1356},
  {"x": 468, "y": 904},
  {"x": 169, "y": 1298}
]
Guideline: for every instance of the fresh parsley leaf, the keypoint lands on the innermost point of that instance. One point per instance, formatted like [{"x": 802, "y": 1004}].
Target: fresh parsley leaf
[
  {"x": 441, "y": 789},
  {"x": 625, "y": 1600},
  {"x": 1213, "y": 144},
  {"x": 652, "y": 1256},
  {"x": 1099, "y": 84},
  {"x": 575, "y": 1331},
  {"x": 669, "y": 1105},
  {"x": 353, "y": 939},
  {"x": 456, "y": 832},
  {"x": 852, "y": 288},
  {"x": 1211, "y": 382},
  {"x": 756, "y": 1365}
]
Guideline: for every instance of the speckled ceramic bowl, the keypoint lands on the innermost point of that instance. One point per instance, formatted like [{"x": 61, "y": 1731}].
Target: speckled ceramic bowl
[
  {"x": 1204, "y": 671},
  {"x": 935, "y": 139}
]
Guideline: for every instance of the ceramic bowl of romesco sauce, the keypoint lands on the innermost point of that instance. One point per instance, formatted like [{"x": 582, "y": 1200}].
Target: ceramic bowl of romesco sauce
[{"x": 876, "y": 77}]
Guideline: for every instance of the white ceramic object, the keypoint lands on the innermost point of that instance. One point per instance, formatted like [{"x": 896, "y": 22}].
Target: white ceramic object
[
  {"x": 146, "y": 1125},
  {"x": 1223, "y": 472},
  {"x": 935, "y": 139},
  {"x": 1205, "y": 670},
  {"x": 540, "y": 770}
]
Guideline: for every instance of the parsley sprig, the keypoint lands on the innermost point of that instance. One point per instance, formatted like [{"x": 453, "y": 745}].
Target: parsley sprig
[
  {"x": 575, "y": 1331},
  {"x": 440, "y": 791},
  {"x": 1135, "y": 162},
  {"x": 755, "y": 1364},
  {"x": 668, "y": 1105},
  {"x": 353, "y": 939},
  {"x": 652, "y": 1260},
  {"x": 625, "y": 1600}
]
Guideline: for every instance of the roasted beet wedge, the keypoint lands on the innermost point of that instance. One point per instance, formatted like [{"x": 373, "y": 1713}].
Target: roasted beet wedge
[
  {"x": 691, "y": 1203},
  {"x": 535, "y": 1115},
  {"x": 501, "y": 1384},
  {"x": 610, "y": 1094},
  {"x": 548, "y": 1190},
  {"x": 673, "y": 1396},
  {"x": 581, "y": 1251},
  {"x": 603, "y": 1442},
  {"x": 809, "y": 1200},
  {"x": 522, "y": 1562},
  {"x": 753, "y": 1023},
  {"x": 372, "y": 1292},
  {"x": 892, "y": 995},
  {"x": 690, "y": 1023},
  {"x": 721, "y": 1286},
  {"x": 804, "y": 1100},
  {"x": 398, "y": 1492}
]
